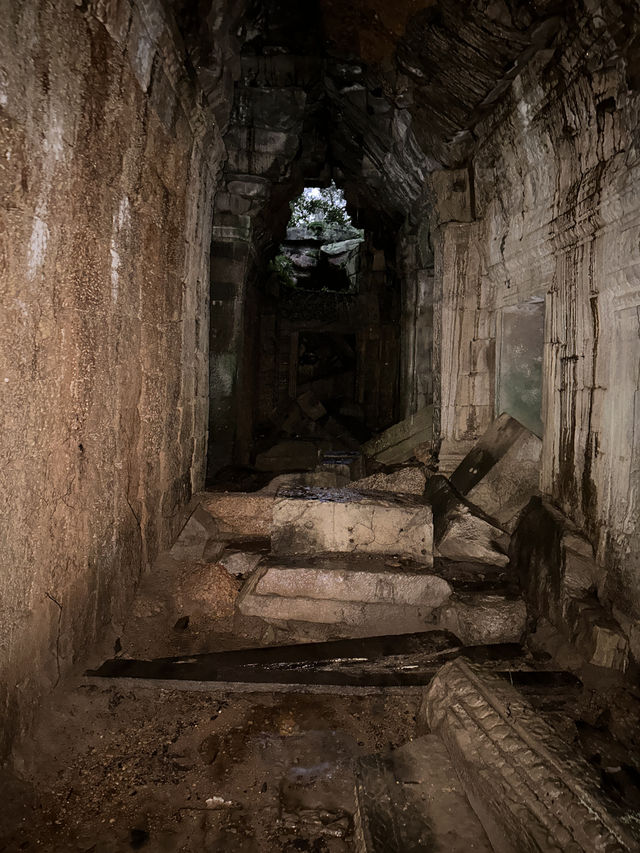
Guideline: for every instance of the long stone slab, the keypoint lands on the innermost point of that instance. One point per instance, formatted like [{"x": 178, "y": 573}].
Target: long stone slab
[
  {"x": 361, "y": 580},
  {"x": 529, "y": 788},
  {"x": 311, "y": 521},
  {"x": 397, "y": 443}
]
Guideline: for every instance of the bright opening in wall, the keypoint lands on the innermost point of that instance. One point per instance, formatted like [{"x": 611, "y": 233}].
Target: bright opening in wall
[{"x": 321, "y": 251}]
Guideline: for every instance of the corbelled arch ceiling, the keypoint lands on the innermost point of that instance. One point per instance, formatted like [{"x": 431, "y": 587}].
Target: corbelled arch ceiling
[{"x": 393, "y": 89}]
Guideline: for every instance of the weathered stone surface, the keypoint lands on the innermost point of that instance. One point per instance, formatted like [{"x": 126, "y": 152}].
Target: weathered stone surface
[
  {"x": 198, "y": 539},
  {"x": 484, "y": 618},
  {"x": 460, "y": 530},
  {"x": 502, "y": 472},
  {"x": 397, "y": 443},
  {"x": 307, "y": 521},
  {"x": 239, "y": 514},
  {"x": 406, "y": 481},
  {"x": 559, "y": 576},
  {"x": 337, "y": 618},
  {"x": 106, "y": 196},
  {"x": 528, "y": 787},
  {"x": 343, "y": 580},
  {"x": 289, "y": 456},
  {"x": 411, "y": 799}
]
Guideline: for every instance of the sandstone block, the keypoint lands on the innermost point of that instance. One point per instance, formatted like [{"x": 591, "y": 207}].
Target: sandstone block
[
  {"x": 461, "y": 531},
  {"x": 529, "y": 788},
  {"x": 341, "y": 580},
  {"x": 397, "y": 443},
  {"x": 345, "y": 463},
  {"x": 199, "y": 539},
  {"x": 308, "y": 521},
  {"x": 479, "y": 619},
  {"x": 239, "y": 514},
  {"x": 502, "y": 472}
]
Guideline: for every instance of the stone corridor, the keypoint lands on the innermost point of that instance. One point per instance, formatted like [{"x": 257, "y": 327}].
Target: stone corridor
[{"x": 319, "y": 461}]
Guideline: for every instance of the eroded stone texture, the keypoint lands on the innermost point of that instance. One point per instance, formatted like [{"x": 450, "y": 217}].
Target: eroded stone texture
[
  {"x": 307, "y": 521},
  {"x": 108, "y": 169},
  {"x": 556, "y": 210},
  {"x": 528, "y": 787}
]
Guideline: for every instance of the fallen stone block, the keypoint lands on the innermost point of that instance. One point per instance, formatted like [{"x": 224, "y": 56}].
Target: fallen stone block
[
  {"x": 479, "y": 619},
  {"x": 199, "y": 539},
  {"x": 529, "y": 788},
  {"x": 502, "y": 472},
  {"x": 239, "y": 514},
  {"x": 308, "y": 521},
  {"x": 397, "y": 443},
  {"x": 411, "y": 799},
  {"x": 461, "y": 531},
  {"x": 406, "y": 481},
  {"x": 367, "y": 580}
]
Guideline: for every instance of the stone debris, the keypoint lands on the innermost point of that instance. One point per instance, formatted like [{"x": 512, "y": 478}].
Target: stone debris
[
  {"x": 502, "y": 472},
  {"x": 411, "y": 799},
  {"x": 397, "y": 443},
  {"x": 558, "y": 575},
  {"x": 479, "y": 618},
  {"x": 240, "y": 563},
  {"x": 461, "y": 531},
  {"x": 406, "y": 481},
  {"x": 199, "y": 539},
  {"x": 308, "y": 521},
  {"x": 529, "y": 788}
]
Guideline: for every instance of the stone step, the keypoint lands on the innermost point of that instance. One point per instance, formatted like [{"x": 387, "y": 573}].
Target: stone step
[
  {"x": 530, "y": 788},
  {"x": 410, "y": 801},
  {"x": 311, "y": 521},
  {"x": 362, "y": 596}
]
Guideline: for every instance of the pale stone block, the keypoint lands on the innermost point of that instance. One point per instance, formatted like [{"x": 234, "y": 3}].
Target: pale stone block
[{"x": 307, "y": 521}]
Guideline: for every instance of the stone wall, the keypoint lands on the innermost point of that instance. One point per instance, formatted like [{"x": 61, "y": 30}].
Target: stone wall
[
  {"x": 106, "y": 188},
  {"x": 557, "y": 213}
]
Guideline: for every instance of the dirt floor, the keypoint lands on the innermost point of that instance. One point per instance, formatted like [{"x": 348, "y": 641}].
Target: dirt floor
[{"x": 183, "y": 771}]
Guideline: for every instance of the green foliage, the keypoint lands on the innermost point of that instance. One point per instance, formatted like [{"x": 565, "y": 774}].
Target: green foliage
[
  {"x": 324, "y": 205},
  {"x": 282, "y": 268}
]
